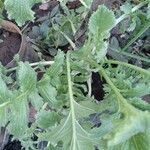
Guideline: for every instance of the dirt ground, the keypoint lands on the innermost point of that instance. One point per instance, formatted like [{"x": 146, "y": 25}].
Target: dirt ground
[{"x": 10, "y": 44}]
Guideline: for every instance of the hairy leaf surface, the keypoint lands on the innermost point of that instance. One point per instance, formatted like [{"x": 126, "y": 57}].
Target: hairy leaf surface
[
  {"x": 20, "y": 10},
  {"x": 70, "y": 131},
  {"x": 102, "y": 20}
]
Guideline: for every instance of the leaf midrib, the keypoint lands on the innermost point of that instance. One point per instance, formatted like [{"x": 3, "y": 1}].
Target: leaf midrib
[{"x": 73, "y": 117}]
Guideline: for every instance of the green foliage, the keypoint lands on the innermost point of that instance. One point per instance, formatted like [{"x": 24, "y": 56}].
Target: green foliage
[
  {"x": 20, "y": 10},
  {"x": 67, "y": 114},
  {"x": 70, "y": 131},
  {"x": 139, "y": 141},
  {"x": 86, "y": 3},
  {"x": 52, "y": 32},
  {"x": 15, "y": 103},
  {"x": 1, "y": 6},
  {"x": 101, "y": 21},
  {"x": 46, "y": 119},
  {"x": 131, "y": 123}
]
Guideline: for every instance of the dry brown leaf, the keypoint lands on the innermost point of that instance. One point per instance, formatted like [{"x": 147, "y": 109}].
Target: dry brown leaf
[{"x": 9, "y": 26}]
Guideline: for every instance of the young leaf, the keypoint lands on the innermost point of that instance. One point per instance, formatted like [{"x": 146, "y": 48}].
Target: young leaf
[
  {"x": 101, "y": 21},
  {"x": 26, "y": 78},
  {"x": 20, "y": 10},
  {"x": 47, "y": 91},
  {"x": 46, "y": 119},
  {"x": 126, "y": 8},
  {"x": 55, "y": 70},
  {"x": 36, "y": 100},
  {"x": 51, "y": 80}
]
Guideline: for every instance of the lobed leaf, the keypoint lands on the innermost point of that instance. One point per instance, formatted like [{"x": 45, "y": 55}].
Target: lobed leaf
[
  {"x": 18, "y": 117},
  {"x": 138, "y": 142},
  {"x": 5, "y": 93},
  {"x": 26, "y": 78},
  {"x": 20, "y": 10},
  {"x": 70, "y": 132},
  {"x": 46, "y": 119},
  {"x": 101, "y": 21},
  {"x": 48, "y": 92},
  {"x": 132, "y": 123},
  {"x": 18, "y": 114}
]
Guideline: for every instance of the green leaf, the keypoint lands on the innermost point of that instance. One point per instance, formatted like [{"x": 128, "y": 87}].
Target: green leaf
[
  {"x": 77, "y": 139},
  {"x": 129, "y": 122},
  {"x": 18, "y": 104},
  {"x": 20, "y": 10},
  {"x": 3, "y": 117},
  {"x": 86, "y": 3},
  {"x": 18, "y": 116},
  {"x": 69, "y": 131},
  {"x": 101, "y": 21},
  {"x": 126, "y": 8},
  {"x": 46, "y": 119},
  {"x": 138, "y": 142},
  {"x": 26, "y": 78},
  {"x": 140, "y": 104},
  {"x": 4, "y": 91},
  {"x": 51, "y": 80},
  {"x": 55, "y": 70},
  {"x": 47, "y": 91},
  {"x": 1, "y": 6},
  {"x": 36, "y": 100},
  {"x": 133, "y": 122},
  {"x": 5, "y": 96}
]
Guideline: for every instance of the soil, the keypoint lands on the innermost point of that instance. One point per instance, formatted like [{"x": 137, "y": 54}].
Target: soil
[
  {"x": 14, "y": 145},
  {"x": 12, "y": 41},
  {"x": 9, "y": 47},
  {"x": 97, "y": 87}
]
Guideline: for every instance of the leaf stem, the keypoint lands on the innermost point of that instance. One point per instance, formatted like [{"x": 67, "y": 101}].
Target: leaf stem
[
  {"x": 71, "y": 100},
  {"x": 141, "y": 70},
  {"x": 89, "y": 83},
  {"x": 133, "y": 10},
  {"x": 130, "y": 55},
  {"x": 121, "y": 100},
  {"x": 134, "y": 56},
  {"x": 68, "y": 39},
  {"x": 45, "y": 63},
  {"x": 145, "y": 27}
]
